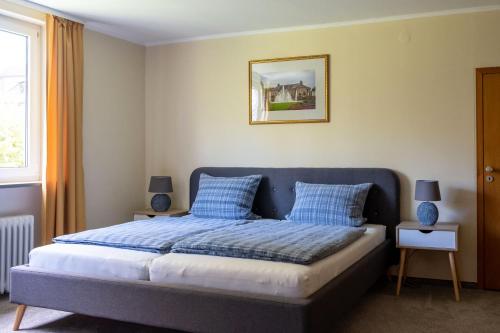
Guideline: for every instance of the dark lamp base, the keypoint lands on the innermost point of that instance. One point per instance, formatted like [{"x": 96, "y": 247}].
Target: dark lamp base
[{"x": 160, "y": 202}]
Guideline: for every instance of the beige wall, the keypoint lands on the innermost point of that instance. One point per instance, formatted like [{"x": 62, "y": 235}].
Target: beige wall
[
  {"x": 396, "y": 102},
  {"x": 113, "y": 129}
]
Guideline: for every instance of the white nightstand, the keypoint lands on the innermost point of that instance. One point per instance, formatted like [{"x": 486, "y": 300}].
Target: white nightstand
[
  {"x": 144, "y": 214},
  {"x": 439, "y": 237}
]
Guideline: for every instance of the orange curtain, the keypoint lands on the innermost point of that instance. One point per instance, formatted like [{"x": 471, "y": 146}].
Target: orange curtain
[{"x": 64, "y": 206}]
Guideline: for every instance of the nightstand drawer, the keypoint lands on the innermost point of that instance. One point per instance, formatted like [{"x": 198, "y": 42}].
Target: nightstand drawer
[{"x": 432, "y": 239}]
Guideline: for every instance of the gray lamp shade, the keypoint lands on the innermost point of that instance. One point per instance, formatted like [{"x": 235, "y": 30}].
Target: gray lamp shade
[
  {"x": 427, "y": 190},
  {"x": 160, "y": 184}
]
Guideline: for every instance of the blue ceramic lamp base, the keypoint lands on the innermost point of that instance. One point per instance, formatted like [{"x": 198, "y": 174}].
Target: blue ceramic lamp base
[
  {"x": 427, "y": 213},
  {"x": 160, "y": 202}
]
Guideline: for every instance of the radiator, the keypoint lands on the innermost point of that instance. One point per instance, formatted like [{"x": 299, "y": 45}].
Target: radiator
[{"x": 16, "y": 241}]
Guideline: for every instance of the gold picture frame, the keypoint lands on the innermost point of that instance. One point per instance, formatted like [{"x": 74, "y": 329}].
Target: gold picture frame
[{"x": 289, "y": 90}]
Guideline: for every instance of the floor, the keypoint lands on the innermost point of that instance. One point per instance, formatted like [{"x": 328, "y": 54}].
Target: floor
[{"x": 421, "y": 307}]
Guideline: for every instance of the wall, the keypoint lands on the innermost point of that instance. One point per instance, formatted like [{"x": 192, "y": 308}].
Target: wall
[
  {"x": 25, "y": 12},
  {"x": 113, "y": 129},
  {"x": 402, "y": 97},
  {"x": 22, "y": 200}
]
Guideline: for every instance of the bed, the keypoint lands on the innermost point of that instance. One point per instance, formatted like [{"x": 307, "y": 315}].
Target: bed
[{"x": 193, "y": 304}]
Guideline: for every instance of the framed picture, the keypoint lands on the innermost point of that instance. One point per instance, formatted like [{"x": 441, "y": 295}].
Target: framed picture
[{"x": 288, "y": 90}]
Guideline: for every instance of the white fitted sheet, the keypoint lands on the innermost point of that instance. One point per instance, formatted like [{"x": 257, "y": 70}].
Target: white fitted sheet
[
  {"x": 259, "y": 276},
  {"x": 93, "y": 261}
]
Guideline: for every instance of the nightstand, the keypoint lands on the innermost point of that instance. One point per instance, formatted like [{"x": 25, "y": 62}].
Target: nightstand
[
  {"x": 144, "y": 214},
  {"x": 439, "y": 237}
]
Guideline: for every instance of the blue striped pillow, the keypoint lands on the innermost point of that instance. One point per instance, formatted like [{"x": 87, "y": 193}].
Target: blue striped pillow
[
  {"x": 226, "y": 197},
  {"x": 329, "y": 204}
]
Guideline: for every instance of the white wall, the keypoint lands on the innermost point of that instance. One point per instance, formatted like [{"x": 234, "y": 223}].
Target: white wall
[
  {"x": 22, "y": 200},
  {"x": 113, "y": 129}
]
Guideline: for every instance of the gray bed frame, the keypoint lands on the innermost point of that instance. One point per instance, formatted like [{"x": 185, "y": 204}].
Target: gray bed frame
[{"x": 202, "y": 310}]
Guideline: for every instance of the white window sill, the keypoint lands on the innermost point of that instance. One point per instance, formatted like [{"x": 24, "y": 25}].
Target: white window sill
[{"x": 21, "y": 184}]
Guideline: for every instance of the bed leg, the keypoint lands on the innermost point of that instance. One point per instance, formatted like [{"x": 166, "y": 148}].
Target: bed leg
[{"x": 21, "y": 308}]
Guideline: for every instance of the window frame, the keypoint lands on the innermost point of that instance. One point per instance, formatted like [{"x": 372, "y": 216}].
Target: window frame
[{"x": 32, "y": 172}]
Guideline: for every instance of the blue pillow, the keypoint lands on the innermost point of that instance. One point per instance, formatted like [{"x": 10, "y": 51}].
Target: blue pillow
[
  {"x": 226, "y": 197},
  {"x": 329, "y": 204}
]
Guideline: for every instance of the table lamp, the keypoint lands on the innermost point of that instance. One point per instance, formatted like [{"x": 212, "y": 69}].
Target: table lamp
[
  {"x": 161, "y": 185},
  {"x": 426, "y": 191}
]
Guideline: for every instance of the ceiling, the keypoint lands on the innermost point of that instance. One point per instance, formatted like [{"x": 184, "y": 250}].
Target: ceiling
[{"x": 151, "y": 22}]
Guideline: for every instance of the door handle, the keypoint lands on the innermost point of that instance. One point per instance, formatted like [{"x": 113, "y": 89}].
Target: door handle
[{"x": 489, "y": 169}]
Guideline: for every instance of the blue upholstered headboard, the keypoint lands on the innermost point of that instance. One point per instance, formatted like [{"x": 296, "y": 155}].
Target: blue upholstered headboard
[{"x": 275, "y": 196}]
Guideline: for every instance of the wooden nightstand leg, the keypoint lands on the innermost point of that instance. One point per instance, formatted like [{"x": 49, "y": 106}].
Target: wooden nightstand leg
[
  {"x": 21, "y": 308},
  {"x": 402, "y": 262},
  {"x": 405, "y": 270},
  {"x": 453, "y": 268}
]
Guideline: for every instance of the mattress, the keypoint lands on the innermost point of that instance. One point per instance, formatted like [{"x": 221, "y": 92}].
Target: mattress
[
  {"x": 258, "y": 276},
  {"x": 93, "y": 261}
]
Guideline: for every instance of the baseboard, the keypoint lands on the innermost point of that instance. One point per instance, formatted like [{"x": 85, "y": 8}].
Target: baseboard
[{"x": 416, "y": 281}]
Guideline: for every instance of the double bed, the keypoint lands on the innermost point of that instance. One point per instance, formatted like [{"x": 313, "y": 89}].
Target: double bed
[{"x": 203, "y": 293}]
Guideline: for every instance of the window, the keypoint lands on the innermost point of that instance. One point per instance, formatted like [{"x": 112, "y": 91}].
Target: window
[{"x": 20, "y": 101}]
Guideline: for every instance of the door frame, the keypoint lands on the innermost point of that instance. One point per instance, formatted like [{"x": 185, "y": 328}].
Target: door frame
[{"x": 480, "y": 72}]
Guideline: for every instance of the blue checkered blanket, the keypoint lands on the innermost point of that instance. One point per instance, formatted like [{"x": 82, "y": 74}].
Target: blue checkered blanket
[
  {"x": 272, "y": 240},
  {"x": 154, "y": 235}
]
